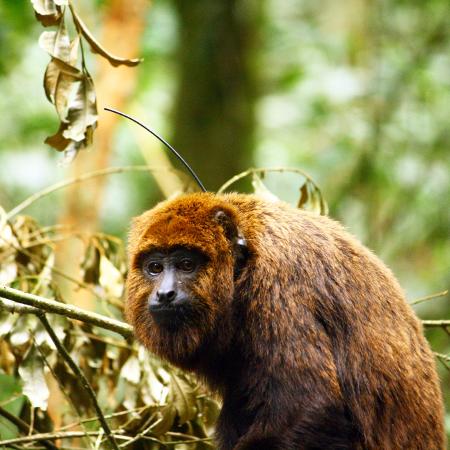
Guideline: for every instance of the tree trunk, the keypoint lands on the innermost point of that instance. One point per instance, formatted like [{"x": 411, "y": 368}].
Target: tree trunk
[{"x": 214, "y": 117}]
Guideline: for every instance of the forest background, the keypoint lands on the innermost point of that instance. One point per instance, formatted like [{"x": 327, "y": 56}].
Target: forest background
[{"x": 356, "y": 94}]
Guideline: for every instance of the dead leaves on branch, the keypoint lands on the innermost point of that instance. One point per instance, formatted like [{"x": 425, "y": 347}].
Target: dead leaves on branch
[
  {"x": 311, "y": 197},
  {"x": 67, "y": 82},
  {"x": 146, "y": 401}
]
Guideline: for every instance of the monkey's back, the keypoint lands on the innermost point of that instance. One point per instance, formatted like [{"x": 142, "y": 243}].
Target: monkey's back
[{"x": 311, "y": 281}]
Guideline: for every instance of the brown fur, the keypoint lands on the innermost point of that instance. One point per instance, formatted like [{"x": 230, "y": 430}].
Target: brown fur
[{"x": 312, "y": 346}]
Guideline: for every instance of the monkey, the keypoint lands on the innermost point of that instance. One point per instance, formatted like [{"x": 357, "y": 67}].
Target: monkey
[{"x": 304, "y": 333}]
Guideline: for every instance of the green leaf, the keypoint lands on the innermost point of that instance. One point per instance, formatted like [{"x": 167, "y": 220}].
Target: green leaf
[{"x": 32, "y": 374}]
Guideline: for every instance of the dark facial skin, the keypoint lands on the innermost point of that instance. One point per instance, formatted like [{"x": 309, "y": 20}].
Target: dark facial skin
[{"x": 171, "y": 303}]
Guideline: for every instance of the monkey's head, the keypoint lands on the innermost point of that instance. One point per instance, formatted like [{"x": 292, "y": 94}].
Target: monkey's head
[{"x": 184, "y": 256}]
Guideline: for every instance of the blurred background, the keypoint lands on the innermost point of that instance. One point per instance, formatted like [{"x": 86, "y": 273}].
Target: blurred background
[{"x": 355, "y": 93}]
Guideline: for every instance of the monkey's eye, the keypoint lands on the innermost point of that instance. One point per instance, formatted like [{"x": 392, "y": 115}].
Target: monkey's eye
[
  {"x": 186, "y": 265},
  {"x": 154, "y": 268}
]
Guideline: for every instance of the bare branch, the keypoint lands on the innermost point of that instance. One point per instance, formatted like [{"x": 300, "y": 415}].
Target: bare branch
[
  {"x": 53, "y": 437},
  {"x": 436, "y": 323},
  {"x": 71, "y": 311},
  {"x": 263, "y": 170},
  {"x": 429, "y": 297}
]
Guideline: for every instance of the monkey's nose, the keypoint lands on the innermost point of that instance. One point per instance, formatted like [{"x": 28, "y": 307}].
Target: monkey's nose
[{"x": 166, "y": 296}]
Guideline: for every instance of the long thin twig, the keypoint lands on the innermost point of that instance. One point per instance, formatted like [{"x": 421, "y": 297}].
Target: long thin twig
[
  {"x": 80, "y": 375},
  {"x": 429, "y": 297},
  {"x": 248, "y": 172},
  {"x": 62, "y": 184},
  {"x": 71, "y": 311},
  {"x": 13, "y": 307},
  {"x": 436, "y": 323},
  {"x": 53, "y": 437}
]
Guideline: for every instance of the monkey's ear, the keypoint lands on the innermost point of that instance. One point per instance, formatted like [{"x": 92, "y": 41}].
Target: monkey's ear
[
  {"x": 226, "y": 222},
  {"x": 234, "y": 235}
]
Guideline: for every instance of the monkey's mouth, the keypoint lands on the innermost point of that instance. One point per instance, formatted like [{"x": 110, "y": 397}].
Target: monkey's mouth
[{"x": 172, "y": 316}]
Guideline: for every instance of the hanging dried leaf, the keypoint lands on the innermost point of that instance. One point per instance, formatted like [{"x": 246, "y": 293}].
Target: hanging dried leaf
[
  {"x": 97, "y": 48},
  {"x": 31, "y": 372},
  {"x": 56, "y": 75},
  {"x": 304, "y": 195},
  {"x": 44, "y": 7},
  {"x": 57, "y": 43},
  {"x": 311, "y": 198},
  {"x": 82, "y": 111},
  {"x": 260, "y": 189},
  {"x": 58, "y": 141},
  {"x": 48, "y": 12}
]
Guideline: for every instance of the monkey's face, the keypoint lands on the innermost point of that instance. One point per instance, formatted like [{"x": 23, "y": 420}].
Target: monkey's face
[
  {"x": 183, "y": 257},
  {"x": 172, "y": 274}
]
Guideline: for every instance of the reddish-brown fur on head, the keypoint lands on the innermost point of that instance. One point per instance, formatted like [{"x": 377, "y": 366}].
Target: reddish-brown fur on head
[
  {"x": 189, "y": 222},
  {"x": 311, "y": 342}
]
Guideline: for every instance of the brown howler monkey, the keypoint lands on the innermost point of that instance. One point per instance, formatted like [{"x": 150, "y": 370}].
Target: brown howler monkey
[{"x": 303, "y": 331}]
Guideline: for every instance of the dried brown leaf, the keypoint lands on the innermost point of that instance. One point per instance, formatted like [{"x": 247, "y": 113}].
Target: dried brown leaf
[
  {"x": 60, "y": 84},
  {"x": 311, "y": 198},
  {"x": 82, "y": 111},
  {"x": 48, "y": 12},
  {"x": 182, "y": 395},
  {"x": 304, "y": 195},
  {"x": 58, "y": 141},
  {"x": 260, "y": 189},
  {"x": 57, "y": 43},
  {"x": 110, "y": 278},
  {"x": 166, "y": 418},
  {"x": 31, "y": 372},
  {"x": 97, "y": 48}
]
